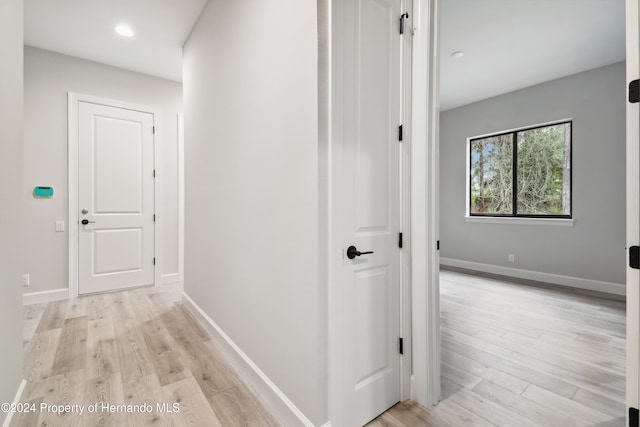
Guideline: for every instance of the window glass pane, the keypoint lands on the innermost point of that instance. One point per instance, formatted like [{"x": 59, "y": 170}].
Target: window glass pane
[
  {"x": 544, "y": 171},
  {"x": 491, "y": 175}
]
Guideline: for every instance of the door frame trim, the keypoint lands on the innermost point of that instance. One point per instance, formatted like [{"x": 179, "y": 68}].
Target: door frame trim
[
  {"x": 406, "y": 121},
  {"x": 73, "y": 99},
  {"x": 425, "y": 181},
  {"x": 181, "y": 189}
]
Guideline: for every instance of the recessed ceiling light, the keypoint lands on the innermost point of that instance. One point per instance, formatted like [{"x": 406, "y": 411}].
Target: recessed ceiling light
[
  {"x": 124, "y": 31},
  {"x": 458, "y": 54}
]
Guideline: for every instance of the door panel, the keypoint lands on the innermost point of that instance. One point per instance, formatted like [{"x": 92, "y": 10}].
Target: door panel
[
  {"x": 370, "y": 206},
  {"x": 116, "y": 190},
  {"x": 372, "y": 314},
  {"x": 117, "y": 250},
  {"x": 118, "y": 165},
  {"x": 376, "y": 112}
]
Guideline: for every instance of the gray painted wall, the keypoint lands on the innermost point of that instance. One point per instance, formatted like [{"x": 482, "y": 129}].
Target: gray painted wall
[
  {"x": 595, "y": 247},
  {"x": 11, "y": 195},
  {"x": 48, "y": 77},
  {"x": 251, "y": 165}
]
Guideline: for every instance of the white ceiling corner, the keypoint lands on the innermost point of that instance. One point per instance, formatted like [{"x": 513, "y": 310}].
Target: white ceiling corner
[
  {"x": 512, "y": 44},
  {"x": 85, "y": 29}
]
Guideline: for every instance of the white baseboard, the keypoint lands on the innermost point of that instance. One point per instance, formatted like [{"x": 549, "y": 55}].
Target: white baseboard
[
  {"x": 556, "y": 279},
  {"x": 170, "y": 278},
  {"x": 16, "y": 399},
  {"x": 287, "y": 413},
  {"x": 45, "y": 296}
]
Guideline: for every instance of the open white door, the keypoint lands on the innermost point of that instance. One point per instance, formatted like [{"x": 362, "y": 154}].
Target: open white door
[
  {"x": 115, "y": 198},
  {"x": 633, "y": 212},
  {"x": 366, "y": 81}
]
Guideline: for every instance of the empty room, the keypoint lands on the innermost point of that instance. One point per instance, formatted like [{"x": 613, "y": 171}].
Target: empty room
[{"x": 532, "y": 214}]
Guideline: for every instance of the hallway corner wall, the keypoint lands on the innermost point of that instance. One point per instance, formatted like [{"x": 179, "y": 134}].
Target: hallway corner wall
[
  {"x": 252, "y": 190},
  {"x": 11, "y": 224}
]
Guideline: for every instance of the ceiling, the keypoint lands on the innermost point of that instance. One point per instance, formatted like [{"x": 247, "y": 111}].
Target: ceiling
[
  {"x": 507, "y": 44},
  {"x": 85, "y": 29},
  {"x": 512, "y": 44}
]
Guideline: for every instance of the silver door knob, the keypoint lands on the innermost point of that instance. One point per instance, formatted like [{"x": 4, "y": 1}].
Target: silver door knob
[{"x": 84, "y": 211}]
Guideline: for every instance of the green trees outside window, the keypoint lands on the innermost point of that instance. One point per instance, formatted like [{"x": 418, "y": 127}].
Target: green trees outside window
[{"x": 524, "y": 173}]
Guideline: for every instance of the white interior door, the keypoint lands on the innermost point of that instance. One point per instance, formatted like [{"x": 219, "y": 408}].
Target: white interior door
[
  {"x": 115, "y": 198},
  {"x": 368, "y": 178}
]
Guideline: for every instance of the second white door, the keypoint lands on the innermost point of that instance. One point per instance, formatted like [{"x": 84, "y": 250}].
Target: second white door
[{"x": 116, "y": 198}]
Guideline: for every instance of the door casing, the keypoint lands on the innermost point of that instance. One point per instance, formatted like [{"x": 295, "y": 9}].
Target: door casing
[
  {"x": 425, "y": 172},
  {"x": 73, "y": 144}
]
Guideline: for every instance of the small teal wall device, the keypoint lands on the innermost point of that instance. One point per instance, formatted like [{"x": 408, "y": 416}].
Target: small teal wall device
[{"x": 41, "y": 191}]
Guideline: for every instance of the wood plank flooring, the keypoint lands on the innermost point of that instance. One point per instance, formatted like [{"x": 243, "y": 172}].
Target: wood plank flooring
[
  {"x": 138, "y": 347},
  {"x": 512, "y": 355},
  {"x": 519, "y": 355}
]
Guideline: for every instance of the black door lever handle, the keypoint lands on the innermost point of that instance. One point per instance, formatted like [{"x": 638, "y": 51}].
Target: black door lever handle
[
  {"x": 86, "y": 221},
  {"x": 352, "y": 252}
]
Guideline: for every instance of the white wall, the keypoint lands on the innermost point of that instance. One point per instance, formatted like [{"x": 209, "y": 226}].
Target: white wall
[
  {"x": 48, "y": 78},
  {"x": 595, "y": 247},
  {"x": 251, "y": 162},
  {"x": 10, "y": 194}
]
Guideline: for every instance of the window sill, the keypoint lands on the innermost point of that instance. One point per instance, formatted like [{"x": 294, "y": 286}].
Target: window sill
[{"x": 557, "y": 222}]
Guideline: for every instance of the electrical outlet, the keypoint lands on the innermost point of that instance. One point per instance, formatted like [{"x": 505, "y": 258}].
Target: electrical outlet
[
  {"x": 512, "y": 258},
  {"x": 26, "y": 280},
  {"x": 59, "y": 226}
]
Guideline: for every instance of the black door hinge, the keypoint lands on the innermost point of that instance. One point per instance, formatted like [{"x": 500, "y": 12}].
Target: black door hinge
[
  {"x": 154, "y": 217},
  {"x": 400, "y": 133},
  {"x": 633, "y": 417},
  {"x": 402, "y": 18},
  {"x": 438, "y": 245},
  {"x": 634, "y": 92},
  {"x": 154, "y": 261},
  {"x": 153, "y": 129},
  {"x": 154, "y": 173},
  {"x": 401, "y": 348},
  {"x": 400, "y": 240},
  {"x": 634, "y": 257}
]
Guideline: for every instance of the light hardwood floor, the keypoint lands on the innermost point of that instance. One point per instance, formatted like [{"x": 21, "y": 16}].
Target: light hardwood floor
[
  {"x": 130, "y": 348},
  {"x": 517, "y": 355},
  {"x": 512, "y": 355}
]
